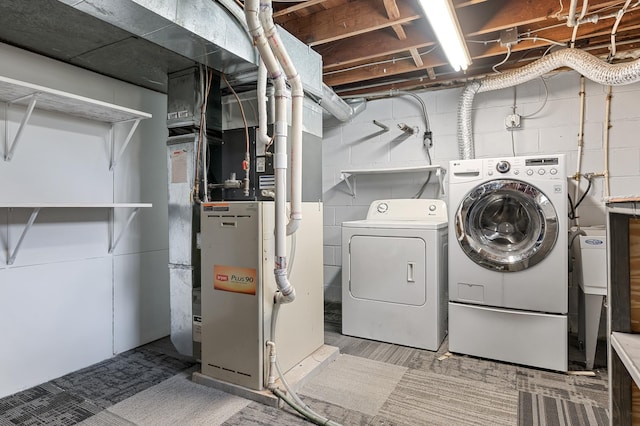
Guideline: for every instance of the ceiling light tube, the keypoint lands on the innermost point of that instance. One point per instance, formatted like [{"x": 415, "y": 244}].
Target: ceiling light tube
[{"x": 443, "y": 20}]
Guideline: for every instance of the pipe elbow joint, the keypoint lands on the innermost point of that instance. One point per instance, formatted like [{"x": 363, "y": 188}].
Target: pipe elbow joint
[
  {"x": 293, "y": 225},
  {"x": 287, "y": 293}
]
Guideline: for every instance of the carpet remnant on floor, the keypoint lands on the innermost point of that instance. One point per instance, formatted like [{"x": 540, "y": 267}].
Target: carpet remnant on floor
[
  {"x": 355, "y": 383},
  {"x": 424, "y": 397},
  {"x": 46, "y": 404},
  {"x": 536, "y": 409},
  {"x": 179, "y": 401},
  {"x": 116, "y": 379}
]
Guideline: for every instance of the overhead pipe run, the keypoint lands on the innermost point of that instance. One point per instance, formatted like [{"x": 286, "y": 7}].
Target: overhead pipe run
[
  {"x": 586, "y": 64},
  {"x": 287, "y": 293}
]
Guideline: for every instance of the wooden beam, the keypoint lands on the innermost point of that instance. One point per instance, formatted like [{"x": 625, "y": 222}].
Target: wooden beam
[
  {"x": 417, "y": 59},
  {"x": 297, "y": 7},
  {"x": 392, "y": 9},
  {"x": 488, "y": 18},
  {"x": 393, "y": 13},
  {"x": 373, "y": 72},
  {"x": 371, "y": 46},
  {"x": 630, "y": 23},
  {"x": 399, "y": 32},
  {"x": 348, "y": 20}
]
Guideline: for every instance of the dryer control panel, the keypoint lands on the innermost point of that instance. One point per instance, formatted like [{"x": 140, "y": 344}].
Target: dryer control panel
[{"x": 408, "y": 209}]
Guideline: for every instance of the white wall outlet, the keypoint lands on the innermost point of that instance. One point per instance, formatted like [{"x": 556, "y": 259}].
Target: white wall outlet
[{"x": 512, "y": 121}]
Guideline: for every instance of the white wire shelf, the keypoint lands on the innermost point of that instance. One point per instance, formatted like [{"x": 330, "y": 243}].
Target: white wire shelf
[
  {"x": 36, "y": 207},
  {"x": 349, "y": 176},
  {"x": 15, "y": 92}
]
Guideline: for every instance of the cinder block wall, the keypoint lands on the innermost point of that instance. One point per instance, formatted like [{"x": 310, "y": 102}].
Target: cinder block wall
[{"x": 552, "y": 129}]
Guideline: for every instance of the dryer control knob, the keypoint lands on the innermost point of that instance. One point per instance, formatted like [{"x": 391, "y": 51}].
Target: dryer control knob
[
  {"x": 529, "y": 172},
  {"x": 382, "y": 207},
  {"x": 503, "y": 166},
  {"x": 432, "y": 208}
]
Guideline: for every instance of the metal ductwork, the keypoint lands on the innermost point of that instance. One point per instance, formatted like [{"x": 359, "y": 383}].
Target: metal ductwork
[{"x": 141, "y": 41}]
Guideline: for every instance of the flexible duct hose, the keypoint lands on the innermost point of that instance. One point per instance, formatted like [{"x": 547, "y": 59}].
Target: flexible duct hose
[{"x": 586, "y": 64}]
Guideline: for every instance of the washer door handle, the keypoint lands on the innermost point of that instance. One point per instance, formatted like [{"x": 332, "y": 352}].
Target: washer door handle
[{"x": 410, "y": 269}]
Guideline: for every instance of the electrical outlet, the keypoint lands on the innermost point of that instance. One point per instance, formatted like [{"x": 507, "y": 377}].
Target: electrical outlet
[{"x": 512, "y": 121}]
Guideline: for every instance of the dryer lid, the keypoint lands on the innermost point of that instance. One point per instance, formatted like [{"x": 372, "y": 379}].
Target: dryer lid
[{"x": 506, "y": 225}]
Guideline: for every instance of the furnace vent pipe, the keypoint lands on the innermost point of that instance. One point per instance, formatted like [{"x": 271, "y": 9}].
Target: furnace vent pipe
[
  {"x": 287, "y": 292},
  {"x": 263, "y": 137},
  {"x": 586, "y": 64},
  {"x": 297, "y": 99}
]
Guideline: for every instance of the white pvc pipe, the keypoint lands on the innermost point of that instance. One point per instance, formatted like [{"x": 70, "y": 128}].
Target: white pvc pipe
[
  {"x": 263, "y": 137},
  {"x": 287, "y": 292},
  {"x": 571, "y": 19},
  {"x": 607, "y": 125},
  {"x": 577, "y": 22},
  {"x": 580, "y": 148},
  {"x": 297, "y": 98}
]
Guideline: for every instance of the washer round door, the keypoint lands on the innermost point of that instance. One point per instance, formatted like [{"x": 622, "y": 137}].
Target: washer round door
[{"x": 506, "y": 225}]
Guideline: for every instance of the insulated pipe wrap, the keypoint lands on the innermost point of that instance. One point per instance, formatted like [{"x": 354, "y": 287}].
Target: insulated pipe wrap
[{"x": 586, "y": 64}]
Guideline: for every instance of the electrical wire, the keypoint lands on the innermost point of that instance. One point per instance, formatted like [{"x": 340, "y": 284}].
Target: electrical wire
[
  {"x": 620, "y": 14},
  {"x": 244, "y": 118},
  {"x": 485, "y": 42},
  {"x": 204, "y": 94},
  {"x": 424, "y": 185},
  {"x": 548, "y": 40},
  {"x": 544, "y": 103},
  {"x": 387, "y": 61},
  {"x": 506, "y": 58}
]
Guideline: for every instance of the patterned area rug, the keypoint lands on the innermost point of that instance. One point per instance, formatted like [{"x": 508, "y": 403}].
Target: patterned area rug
[
  {"x": 560, "y": 399},
  {"x": 77, "y": 396}
]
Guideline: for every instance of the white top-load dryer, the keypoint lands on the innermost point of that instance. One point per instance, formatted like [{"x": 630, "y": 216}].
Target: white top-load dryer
[{"x": 394, "y": 273}]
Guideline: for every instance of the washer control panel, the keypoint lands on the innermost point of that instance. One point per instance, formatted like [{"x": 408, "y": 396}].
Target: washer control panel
[{"x": 550, "y": 167}]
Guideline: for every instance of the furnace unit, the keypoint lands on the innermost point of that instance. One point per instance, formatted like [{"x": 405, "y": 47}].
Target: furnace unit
[{"x": 238, "y": 289}]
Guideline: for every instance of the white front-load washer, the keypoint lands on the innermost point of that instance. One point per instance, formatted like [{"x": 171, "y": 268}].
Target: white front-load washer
[
  {"x": 394, "y": 273},
  {"x": 508, "y": 284}
]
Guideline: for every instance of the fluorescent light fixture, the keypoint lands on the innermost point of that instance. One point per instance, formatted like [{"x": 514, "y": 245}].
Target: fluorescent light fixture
[{"x": 443, "y": 20}]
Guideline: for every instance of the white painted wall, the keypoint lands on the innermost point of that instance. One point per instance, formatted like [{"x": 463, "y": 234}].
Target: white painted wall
[
  {"x": 358, "y": 144},
  {"x": 67, "y": 303}
]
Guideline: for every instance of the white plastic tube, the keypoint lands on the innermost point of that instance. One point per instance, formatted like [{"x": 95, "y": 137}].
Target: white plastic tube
[
  {"x": 580, "y": 149},
  {"x": 263, "y": 137},
  {"x": 586, "y": 64},
  {"x": 297, "y": 98},
  {"x": 607, "y": 126},
  {"x": 287, "y": 292}
]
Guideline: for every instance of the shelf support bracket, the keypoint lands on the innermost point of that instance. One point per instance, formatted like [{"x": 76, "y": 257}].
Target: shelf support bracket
[
  {"x": 351, "y": 185},
  {"x": 126, "y": 225},
  {"x": 32, "y": 218},
  {"x": 132, "y": 130},
  {"x": 440, "y": 173},
  {"x": 10, "y": 147}
]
